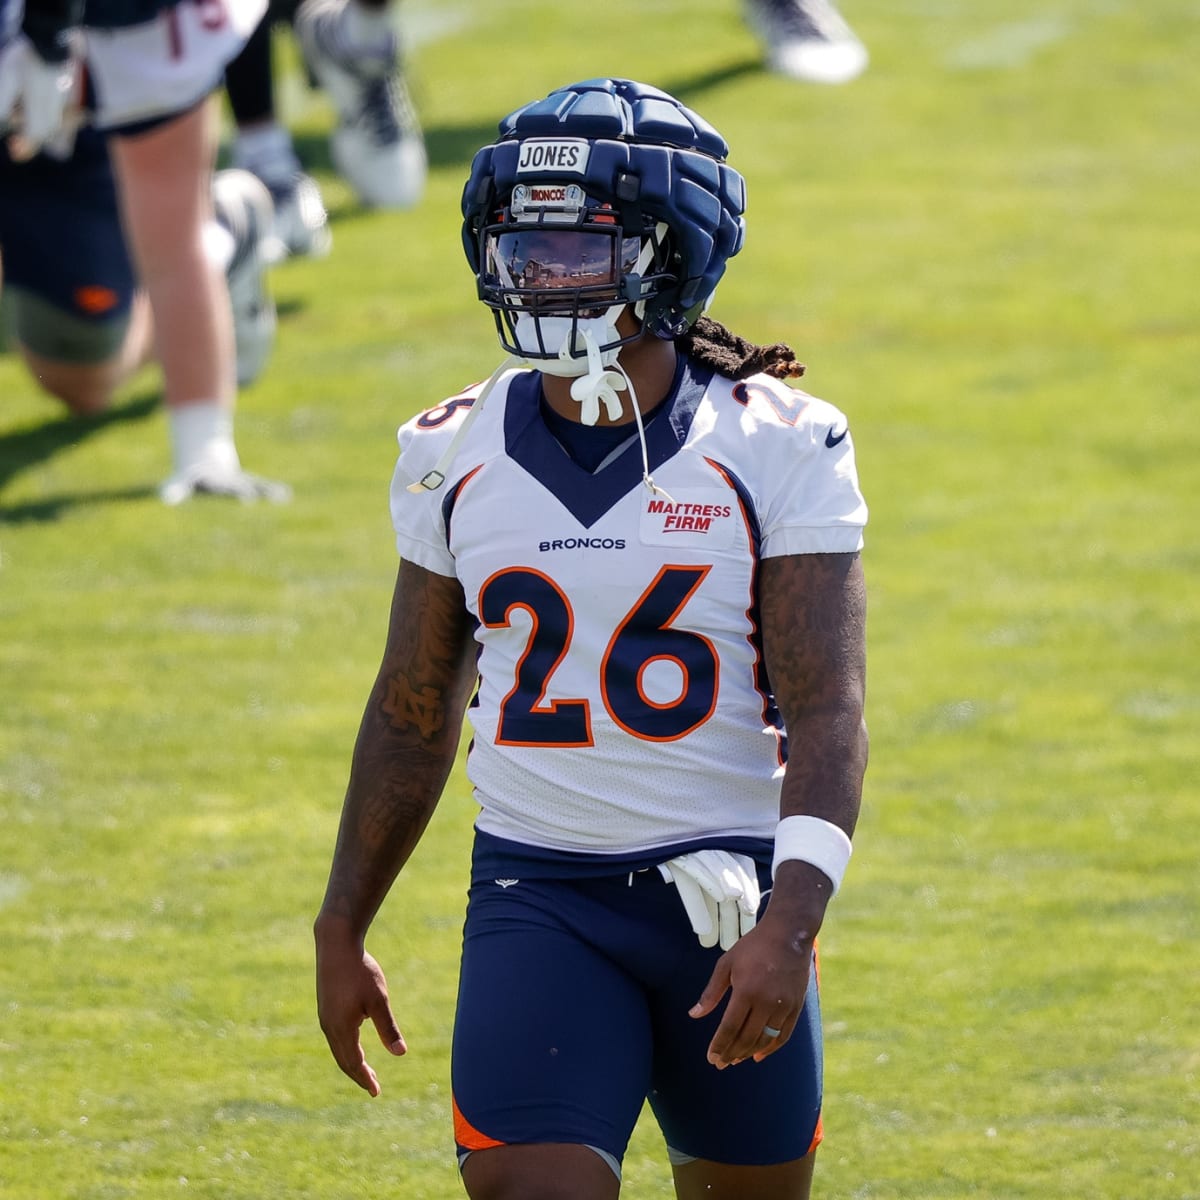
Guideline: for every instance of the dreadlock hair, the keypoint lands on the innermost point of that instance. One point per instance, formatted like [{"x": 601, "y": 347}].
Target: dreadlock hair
[{"x": 712, "y": 345}]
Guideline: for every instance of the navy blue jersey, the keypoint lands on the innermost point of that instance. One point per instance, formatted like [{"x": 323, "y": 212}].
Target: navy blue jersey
[
  {"x": 119, "y": 14},
  {"x": 45, "y": 22}
]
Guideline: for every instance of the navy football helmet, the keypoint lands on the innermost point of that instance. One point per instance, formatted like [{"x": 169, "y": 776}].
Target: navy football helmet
[{"x": 605, "y": 193}]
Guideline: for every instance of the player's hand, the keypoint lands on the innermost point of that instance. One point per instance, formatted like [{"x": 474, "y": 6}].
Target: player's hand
[
  {"x": 767, "y": 974},
  {"x": 351, "y": 989},
  {"x": 37, "y": 100}
]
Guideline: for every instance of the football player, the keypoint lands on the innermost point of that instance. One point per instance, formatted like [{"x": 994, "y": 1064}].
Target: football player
[
  {"x": 632, "y": 558},
  {"x": 77, "y": 316},
  {"x": 151, "y": 66}
]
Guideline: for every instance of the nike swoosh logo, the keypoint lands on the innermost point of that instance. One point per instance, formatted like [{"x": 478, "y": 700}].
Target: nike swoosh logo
[{"x": 832, "y": 439}]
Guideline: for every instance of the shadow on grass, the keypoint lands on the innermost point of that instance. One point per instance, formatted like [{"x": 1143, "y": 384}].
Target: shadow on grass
[
  {"x": 691, "y": 88},
  {"x": 27, "y": 448},
  {"x": 288, "y": 306},
  {"x": 38, "y": 512}
]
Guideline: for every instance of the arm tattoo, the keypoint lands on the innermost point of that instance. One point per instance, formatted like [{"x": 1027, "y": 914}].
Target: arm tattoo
[
  {"x": 407, "y": 707},
  {"x": 406, "y": 743},
  {"x": 813, "y": 617}
]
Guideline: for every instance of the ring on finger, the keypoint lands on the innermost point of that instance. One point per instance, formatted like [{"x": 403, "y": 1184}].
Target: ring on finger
[{"x": 771, "y": 1033}]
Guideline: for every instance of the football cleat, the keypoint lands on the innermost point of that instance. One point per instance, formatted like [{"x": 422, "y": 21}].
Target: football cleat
[
  {"x": 222, "y": 479},
  {"x": 301, "y": 225},
  {"x": 807, "y": 40},
  {"x": 244, "y": 209},
  {"x": 377, "y": 145}
]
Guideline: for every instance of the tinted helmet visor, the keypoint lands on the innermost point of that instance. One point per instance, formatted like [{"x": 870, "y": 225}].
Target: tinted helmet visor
[{"x": 545, "y": 270}]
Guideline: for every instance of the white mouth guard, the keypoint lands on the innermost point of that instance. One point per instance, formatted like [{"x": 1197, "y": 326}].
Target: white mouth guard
[{"x": 598, "y": 386}]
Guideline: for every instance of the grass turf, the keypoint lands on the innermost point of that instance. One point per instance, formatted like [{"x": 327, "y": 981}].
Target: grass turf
[{"x": 986, "y": 250}]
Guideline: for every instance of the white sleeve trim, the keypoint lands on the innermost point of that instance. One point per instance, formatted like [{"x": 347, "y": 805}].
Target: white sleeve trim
[
  {"x": 799, "y": 539},
  {"x": 432, "y": 558}
]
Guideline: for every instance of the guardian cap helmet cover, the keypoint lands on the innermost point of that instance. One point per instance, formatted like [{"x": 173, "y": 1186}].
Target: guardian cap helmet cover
[{"x": 604, "y": 193}]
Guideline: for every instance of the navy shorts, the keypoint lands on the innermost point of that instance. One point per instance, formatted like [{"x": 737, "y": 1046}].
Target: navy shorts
[
  {"x": 573, "y": 1010},
  {"x": 60, "y": 235}
]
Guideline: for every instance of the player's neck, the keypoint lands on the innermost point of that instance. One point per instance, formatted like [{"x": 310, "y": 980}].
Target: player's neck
[{"x": 650, "y": 364}]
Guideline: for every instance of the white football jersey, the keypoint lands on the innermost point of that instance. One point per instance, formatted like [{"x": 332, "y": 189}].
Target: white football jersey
[
  {"x": 163, "y": 61},
  {"x": 623, "y": 702}
]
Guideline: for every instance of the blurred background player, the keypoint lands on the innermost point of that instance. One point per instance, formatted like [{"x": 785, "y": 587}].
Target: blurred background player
[
  {"x": 807, "y": 40},
  {"x": 351, "y": 49},
  {"x": 151, "y": 66},
  {"x": 71, "y": 301}
]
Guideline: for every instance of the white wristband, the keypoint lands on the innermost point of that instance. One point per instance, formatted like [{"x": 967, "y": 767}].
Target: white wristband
[{"x": 812, "y": 840}]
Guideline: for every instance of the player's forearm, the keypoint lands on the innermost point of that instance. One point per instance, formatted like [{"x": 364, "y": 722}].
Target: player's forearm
[
  {"x": 826, "y": 764},
  {"x": 826, "y": 784},
  {"x": 814, "y": 623},
  {"x": 406, "y": 745},
  {"x": 393, "y": 791}
]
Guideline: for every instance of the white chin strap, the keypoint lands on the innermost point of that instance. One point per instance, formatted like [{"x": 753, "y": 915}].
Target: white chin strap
[
  {"x": 593, "y": 382},
  {"x": 547, "y": 341}
]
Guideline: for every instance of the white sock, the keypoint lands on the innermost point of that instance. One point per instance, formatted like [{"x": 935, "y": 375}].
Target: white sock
[{"x": 202, "y": 434}]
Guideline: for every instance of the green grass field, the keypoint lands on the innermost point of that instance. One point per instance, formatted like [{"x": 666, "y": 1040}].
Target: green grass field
[{"x": 987, "y": 249}]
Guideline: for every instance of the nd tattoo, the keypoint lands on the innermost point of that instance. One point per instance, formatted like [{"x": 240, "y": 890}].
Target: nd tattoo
[{"x": 408, "y": 707}]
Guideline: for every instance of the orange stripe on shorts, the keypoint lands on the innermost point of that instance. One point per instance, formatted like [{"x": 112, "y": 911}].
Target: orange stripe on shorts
[
  {"x": 466, "y": 1135},
  {"x": 818, "y": 1134}
]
